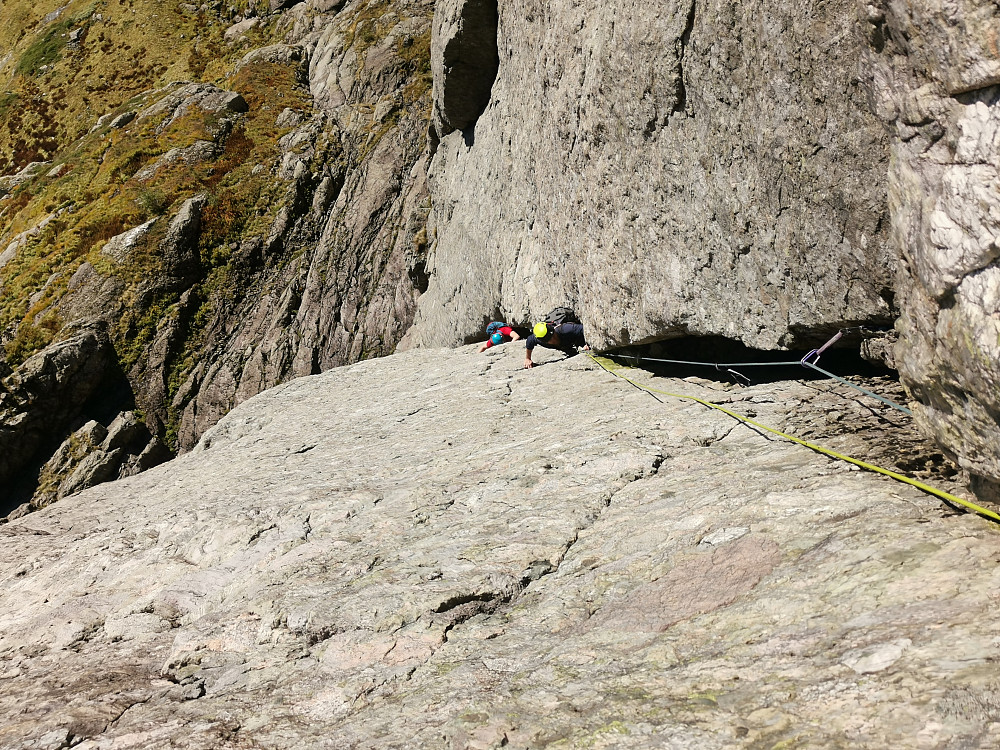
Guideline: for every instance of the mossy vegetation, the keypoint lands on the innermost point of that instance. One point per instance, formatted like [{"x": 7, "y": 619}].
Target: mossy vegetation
[
  {"x": 416, "y": 53},
  {"x": 98, "y": 195},
  {"x": 30, "y": 338},
  {"x": 121, "y": 49},
  {"x": 45, "y": 50},
  {"x": 366, "y": 26},
  {"x": 8, "y": 99}
]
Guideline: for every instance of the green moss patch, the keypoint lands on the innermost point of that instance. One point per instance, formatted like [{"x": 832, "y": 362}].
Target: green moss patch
[
  {"x": 46, "y": 50},
  {"x": 30, "y": 338}
]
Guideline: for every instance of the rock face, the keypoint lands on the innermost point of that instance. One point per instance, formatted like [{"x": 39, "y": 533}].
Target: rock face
[
  {"x": 51, "y": 442},
  {"x": 669, "y": 168},
  {"x": 440, "y": 549},
  {"x": 936, "y": 70},
  {"x": 261, "y": 224},
  {"x": 46, "y": 399},
  {"x": 721, "y": 169},
  {"x": 343, "y": 258},
  {"x": 286, "y": 186}
]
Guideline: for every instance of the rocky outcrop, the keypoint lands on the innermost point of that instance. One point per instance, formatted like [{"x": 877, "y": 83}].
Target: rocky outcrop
[
  {"x": 49, "y": 390},
  {"x": 274, "y": 224},
  {"x": 45, "y": 400},
  {"x": 343, "y": 256},
  {"x": 181, "y": 261},
  {"x": 10, "y": 182},
  {"x": 95, "y": 454},
  {"x": 936, "y": 71},
  {"x": 182, "y": 97},
  {"x": 703, "y": 168},
  {"x": 440, "y": 549}
]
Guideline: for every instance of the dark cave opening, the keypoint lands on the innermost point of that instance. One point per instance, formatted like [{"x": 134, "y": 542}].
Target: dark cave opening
[{"x": 727, "y": 361}]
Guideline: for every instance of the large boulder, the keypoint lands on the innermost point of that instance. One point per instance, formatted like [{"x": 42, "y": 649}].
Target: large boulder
[
  {"x": 182, "y": 97},
  {"x": 667, "y": 168},
  {"x": 936, "y": 72},
  {"x": 94, "y": 454}
]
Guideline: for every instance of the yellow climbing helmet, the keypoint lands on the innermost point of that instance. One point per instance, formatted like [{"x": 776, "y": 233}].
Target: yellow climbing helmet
[{"x": 540, "y": 330}]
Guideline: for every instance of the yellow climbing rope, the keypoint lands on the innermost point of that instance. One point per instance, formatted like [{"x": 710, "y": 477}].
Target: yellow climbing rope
[{"x": 615, "y": 369}]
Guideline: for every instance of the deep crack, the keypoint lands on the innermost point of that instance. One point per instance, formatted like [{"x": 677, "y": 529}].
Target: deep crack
[
  {"x": 682, "y": 45},
  {"x": 593, "y": 518}
]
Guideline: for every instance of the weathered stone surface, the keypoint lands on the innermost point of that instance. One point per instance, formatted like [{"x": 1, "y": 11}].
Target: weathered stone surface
[
  {"x": 936, "y": 70},
  {"x": 101, "y": 296},
  {"x": 181, "y": 262},
  {"x": 881, "y": 350},
  {"x": 125, "y": 431},
  {"x": 325, "y": 6},
  {"x": 122, "y": 120},
  {"x": 96, "y": 467},
  {"x": 183, "y": 96},
  {"x": 440, "y": 549},
  {"x": 197, "y": 152},
  {"x": 279, "y": 54},
  {"x": 95, "y": 454},
  {"x": 276, "y": 5},
  {"x": 90, "y": 435},
  {"x": 708, "y": 168},
  {"x": 239, "y": 29},
  {"x": 119, "y": 247},
  {"x": 21, "y": 239}
]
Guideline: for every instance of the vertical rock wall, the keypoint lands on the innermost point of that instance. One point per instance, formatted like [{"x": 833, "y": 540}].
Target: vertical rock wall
[
  {"x": 670, "y": 167},
  {"x": 936, "y": 70},
  {"x": 342, "y": 263}
]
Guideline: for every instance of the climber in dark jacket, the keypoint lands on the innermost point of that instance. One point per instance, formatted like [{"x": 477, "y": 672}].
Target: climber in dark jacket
[{"x": 565, "y": 337}]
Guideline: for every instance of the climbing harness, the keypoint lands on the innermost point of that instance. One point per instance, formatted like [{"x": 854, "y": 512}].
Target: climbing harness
[{"x": 613, "y": 368}]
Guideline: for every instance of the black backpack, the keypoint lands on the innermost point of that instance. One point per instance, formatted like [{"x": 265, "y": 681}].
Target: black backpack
[{"x": 561, "y": 315}]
